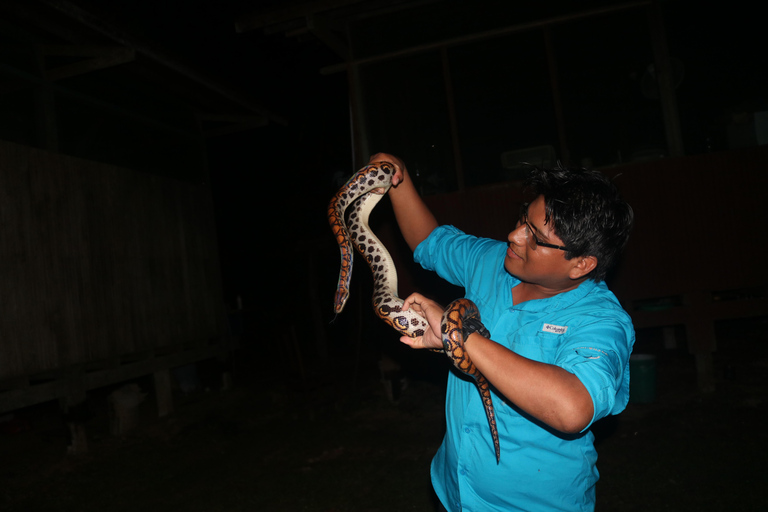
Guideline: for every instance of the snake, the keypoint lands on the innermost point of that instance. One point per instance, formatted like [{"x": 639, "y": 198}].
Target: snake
[{"x": 362, "y": 192}]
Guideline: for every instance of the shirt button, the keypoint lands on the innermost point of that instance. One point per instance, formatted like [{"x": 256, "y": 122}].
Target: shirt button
[{"x": 467, "y": 430}]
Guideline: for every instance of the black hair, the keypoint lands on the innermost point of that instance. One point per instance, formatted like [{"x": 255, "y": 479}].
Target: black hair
[{"x": 586, "y": 211}]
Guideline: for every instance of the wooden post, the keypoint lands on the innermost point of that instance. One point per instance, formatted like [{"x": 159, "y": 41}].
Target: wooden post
[
  {"x": 554, "y": 81},
  {"x": 75, "y": 407},
  {"x": 702, "y": 342},
  {"x": 45, "y": 111},
  {"x": 448, "y": 83},
  {"x": 357, "y": 130},
  {"x": 163, "y": 392},
  {"x": 664, "y": 78},
  {"x": 124, "y": 404}
]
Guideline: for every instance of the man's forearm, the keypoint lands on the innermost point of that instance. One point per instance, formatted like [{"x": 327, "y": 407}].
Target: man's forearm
[{"x": 547, "y": 392}]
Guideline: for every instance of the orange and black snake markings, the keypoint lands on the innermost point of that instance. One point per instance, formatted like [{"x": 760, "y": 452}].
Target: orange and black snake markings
[
  {"x": 338, "y": 203},
  {"x": 452, "y": 328}
]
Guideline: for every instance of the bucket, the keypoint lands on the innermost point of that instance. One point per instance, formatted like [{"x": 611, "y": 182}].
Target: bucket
[{"x": 642, "y": 378}]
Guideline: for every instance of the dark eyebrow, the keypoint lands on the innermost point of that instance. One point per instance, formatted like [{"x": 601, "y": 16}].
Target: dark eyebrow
[
  {"x": 538, "y": 231},
  {"x": 528, "y": 219}
]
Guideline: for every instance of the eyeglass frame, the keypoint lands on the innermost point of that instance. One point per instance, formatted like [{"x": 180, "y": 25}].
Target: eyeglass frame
[{"x": 529, "y": 228}]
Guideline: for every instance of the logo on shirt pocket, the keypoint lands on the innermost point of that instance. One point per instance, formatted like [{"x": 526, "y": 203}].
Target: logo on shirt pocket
[{"x": 555, "y": 329}]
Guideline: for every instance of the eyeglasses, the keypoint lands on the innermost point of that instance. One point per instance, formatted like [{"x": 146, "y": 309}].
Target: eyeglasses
[{"x": 530, "y": 234}]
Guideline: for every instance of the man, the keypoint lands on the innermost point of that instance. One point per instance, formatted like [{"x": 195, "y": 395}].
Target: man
[{"x": 557, "y": 357}]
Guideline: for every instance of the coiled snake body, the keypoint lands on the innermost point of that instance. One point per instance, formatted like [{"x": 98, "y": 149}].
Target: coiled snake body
[{"x": 364, "y": 190}]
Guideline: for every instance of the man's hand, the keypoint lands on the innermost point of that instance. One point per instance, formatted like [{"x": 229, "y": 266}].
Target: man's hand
[
  {"x": 433, "y": 313},
  {"x": 400, "y": 169}
]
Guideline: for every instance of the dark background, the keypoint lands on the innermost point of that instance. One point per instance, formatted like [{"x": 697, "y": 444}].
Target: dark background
[
  {"x": 298, "y": 433},
  {"x": 271, "y": 183}
]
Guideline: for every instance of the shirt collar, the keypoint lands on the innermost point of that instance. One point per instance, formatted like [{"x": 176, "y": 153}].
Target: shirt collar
[{"x": 559, "y": 301}]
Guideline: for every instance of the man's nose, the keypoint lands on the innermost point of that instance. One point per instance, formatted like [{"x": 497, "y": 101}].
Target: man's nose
[{"x": 517, "y": 235}]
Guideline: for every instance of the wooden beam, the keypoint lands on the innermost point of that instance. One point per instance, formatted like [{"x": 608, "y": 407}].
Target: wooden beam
[
  {"x": 99, "y": 58},
  {"x": 270, "y": 16},
  {"x": 470, "y": 38},
  {"x": 148, "y": 50},
  {"x": 320, "y": 28}
]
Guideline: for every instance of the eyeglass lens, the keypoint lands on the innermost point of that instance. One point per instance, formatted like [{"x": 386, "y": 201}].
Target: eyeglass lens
[{"x": 529, "y": 236}]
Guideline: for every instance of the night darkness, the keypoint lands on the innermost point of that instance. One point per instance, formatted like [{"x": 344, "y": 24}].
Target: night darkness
[
  {"x": 314, "y": 421},
  {"x": 271, "y": 184}
]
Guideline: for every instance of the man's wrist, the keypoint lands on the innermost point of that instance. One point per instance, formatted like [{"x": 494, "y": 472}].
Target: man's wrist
[{"x": 472, "y": 325}]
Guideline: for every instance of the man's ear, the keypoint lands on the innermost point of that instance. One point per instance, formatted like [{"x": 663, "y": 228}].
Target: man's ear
[{"x": 582, "y": 266}]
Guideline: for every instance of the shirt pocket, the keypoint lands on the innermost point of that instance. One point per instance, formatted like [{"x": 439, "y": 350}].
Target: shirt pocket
[{"x": 541, "y": 346}]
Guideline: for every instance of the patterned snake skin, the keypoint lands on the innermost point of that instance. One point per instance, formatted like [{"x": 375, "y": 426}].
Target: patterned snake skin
[
  {"x": 363, "y": 191},
  {"x": 452, "y": 331}
]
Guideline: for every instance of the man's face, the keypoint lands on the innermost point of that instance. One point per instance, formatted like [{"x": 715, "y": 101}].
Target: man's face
[{"x": 542, "y": 266}]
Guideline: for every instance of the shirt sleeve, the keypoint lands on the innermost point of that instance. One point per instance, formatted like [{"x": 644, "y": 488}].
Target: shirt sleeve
[
  {"x": 599, "y": 357},
  {"x": 453, "y": 254}
]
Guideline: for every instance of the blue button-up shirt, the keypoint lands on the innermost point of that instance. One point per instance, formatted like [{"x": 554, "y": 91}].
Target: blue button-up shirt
[{"x": 585, "y": 331}]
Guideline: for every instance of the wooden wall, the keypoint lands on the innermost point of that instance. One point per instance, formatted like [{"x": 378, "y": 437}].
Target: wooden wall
[
  {"x": 98, "y": 262},
  {"x": 700, "y": 224}
]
